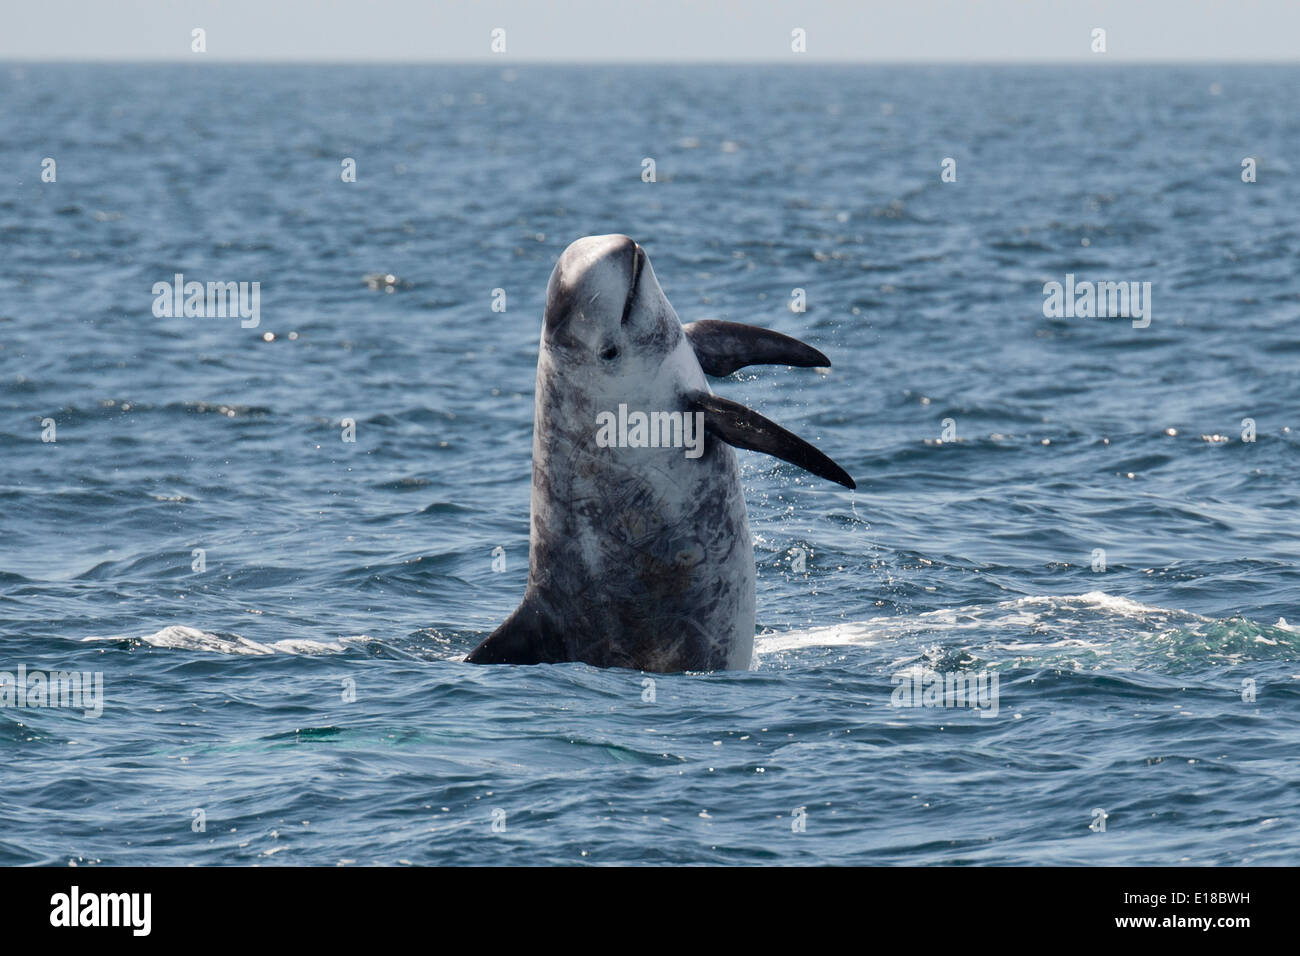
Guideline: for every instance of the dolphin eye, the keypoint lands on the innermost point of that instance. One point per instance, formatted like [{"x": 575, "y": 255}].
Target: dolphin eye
[{"x": 609, "y": 354}]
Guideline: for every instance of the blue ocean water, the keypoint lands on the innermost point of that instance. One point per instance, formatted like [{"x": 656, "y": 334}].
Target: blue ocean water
[{"x": 1159, "y": 695}]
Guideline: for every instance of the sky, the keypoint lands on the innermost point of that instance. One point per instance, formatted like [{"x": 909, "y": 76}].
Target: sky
[{"x": 839, "y": 31}]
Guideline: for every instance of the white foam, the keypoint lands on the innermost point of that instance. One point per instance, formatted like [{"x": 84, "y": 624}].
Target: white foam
[
  {"x": 1035, "y": 612},
  {"x": 182, "y": 637}
]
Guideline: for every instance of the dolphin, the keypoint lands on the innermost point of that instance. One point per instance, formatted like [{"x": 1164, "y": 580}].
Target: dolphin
[{"x": 639, "y": 548}]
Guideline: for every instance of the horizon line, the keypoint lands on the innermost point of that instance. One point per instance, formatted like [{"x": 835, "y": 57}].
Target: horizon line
[{"x": 197, "y": 59}]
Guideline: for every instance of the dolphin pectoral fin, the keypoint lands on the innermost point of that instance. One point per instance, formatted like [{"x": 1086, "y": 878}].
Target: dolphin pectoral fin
[
  {"x": 745, "y": 428},
  {"x": 723, "y": 347},
  {"x": 524, "y": 638}
]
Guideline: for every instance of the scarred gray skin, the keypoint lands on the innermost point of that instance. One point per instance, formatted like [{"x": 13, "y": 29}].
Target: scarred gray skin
[{"x": 638, "y": 557}]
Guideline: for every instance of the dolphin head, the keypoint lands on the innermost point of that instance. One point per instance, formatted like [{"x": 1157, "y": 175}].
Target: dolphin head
[
  {"x": 605, "y": 312},
  {"x": 610, "y": 338}
]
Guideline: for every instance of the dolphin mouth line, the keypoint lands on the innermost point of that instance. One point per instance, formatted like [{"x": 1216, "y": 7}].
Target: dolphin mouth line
[{"x": 637, "y": 260}]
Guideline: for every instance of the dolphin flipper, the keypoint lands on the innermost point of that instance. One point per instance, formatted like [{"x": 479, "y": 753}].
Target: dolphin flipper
[
  {"x": 743, "y": 427},
  {"x": 525, "y": 637},
  {"x": 723, "y": 347}
]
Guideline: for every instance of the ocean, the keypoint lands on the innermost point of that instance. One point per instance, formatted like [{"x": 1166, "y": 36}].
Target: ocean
[{"x": 1090, "y": 520}]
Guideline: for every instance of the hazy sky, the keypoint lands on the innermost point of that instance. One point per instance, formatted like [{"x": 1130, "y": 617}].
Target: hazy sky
[{"x": 702, "y": 30}]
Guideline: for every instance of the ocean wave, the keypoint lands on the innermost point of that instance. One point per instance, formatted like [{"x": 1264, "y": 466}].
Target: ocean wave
[
  {"x": 1102, "y": 628},
  {"x": 183, "y": 637}
]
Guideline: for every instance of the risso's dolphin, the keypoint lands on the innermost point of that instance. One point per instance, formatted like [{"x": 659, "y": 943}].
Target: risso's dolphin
[{"x": 639, "y": 552}]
